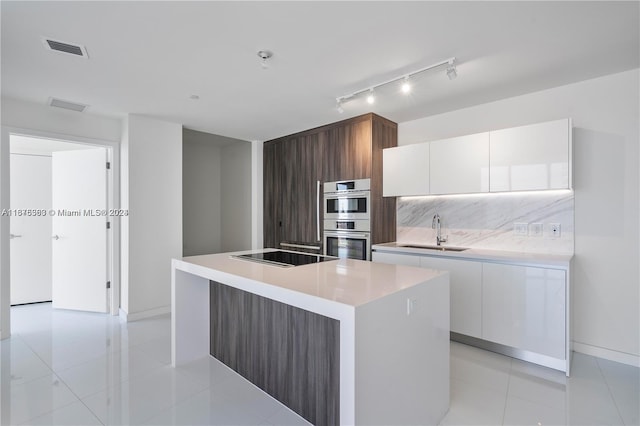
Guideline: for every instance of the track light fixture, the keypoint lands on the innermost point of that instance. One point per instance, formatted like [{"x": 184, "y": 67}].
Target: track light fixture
[{"x": 406, "y": 86}]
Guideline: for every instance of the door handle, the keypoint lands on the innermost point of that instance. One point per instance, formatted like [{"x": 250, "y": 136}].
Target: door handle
[
  {"x": 55, "y": 237},
  {"x": 12, "y": 236}
]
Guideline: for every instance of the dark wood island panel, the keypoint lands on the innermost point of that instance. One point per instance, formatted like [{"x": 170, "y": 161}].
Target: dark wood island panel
[{"x": 290, "y": 353}]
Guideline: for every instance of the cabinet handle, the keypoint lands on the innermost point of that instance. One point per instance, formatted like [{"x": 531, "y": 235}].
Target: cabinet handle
[{"x": 318, "y": 210}]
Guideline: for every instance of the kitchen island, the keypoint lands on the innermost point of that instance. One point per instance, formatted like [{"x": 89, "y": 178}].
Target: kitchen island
[{"x": 363, "y": 343}]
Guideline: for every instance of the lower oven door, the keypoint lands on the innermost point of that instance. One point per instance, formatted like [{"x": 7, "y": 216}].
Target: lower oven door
[{"x": 354, "y": 245}]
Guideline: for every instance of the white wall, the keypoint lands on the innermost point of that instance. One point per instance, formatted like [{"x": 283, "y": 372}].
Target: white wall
[
  {"x": 152, "y": 171},
  {"x": 32, "y": 116},
  {"x": 40, "y": 119},
  {"x": 217, "y": 193},
  {"x": 605, "y": 112},
  {"x": 236, "y": 196},
  {"x": 201, "y": 193},
  {"x": 5, "y": 302},
  {"x": 256, "y": 195}
]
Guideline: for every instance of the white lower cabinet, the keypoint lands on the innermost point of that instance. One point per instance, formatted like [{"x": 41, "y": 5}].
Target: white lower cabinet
[
  {"x": 524, "y": 307},
  {"x": 465, "y": 284},
  {"x": 395, "y": 259},
  {"x": 520, "y": 307}
]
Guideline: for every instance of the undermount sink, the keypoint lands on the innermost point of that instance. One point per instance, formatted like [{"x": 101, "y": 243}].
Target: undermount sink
[{"x": 439, "y": 248}]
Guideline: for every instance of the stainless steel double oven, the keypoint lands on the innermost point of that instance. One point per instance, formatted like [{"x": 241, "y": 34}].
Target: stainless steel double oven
[{"x": 347, "y": 226}]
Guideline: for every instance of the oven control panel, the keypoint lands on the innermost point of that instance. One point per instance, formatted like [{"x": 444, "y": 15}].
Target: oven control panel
[{"x": 357, "y": 225}]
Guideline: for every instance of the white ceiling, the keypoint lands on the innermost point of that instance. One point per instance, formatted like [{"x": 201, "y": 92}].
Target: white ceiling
[{"x": 149, "y": 57}]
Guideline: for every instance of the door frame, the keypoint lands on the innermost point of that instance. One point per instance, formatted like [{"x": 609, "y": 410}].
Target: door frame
[{"x": 113, "y": 194}]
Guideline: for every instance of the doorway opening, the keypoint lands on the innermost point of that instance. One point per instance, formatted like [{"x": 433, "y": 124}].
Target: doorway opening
[{"x": 62, "y": 227}]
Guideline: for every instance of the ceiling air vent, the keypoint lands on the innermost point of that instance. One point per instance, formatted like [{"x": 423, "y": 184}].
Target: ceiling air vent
[
  {"x": 73, "y": 106},
  {"x": 63, "y": 47}
]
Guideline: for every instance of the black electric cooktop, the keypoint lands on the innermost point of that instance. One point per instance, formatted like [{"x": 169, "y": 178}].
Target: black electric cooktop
[{"x": 284, "y": 258}]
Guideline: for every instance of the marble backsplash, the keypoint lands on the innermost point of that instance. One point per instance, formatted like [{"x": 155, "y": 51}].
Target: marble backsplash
[{"x": 487, "y": 220}]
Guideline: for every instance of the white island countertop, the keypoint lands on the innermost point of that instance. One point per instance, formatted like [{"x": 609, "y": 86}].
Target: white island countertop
[
  {"x": 345, "y": 281},
  {"x": 391, "y": 318}
]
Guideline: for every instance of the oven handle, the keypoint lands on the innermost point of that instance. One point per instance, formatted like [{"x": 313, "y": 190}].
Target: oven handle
[
  {"x": 318, "y": 210},
  {"x": 357, "y": 235},
  {"x": 302, "y": 246},
  {"x": 351, "y": 194}
]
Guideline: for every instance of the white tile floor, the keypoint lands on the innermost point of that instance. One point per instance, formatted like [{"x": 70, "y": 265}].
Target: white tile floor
[{"x": 70, "y": 368}]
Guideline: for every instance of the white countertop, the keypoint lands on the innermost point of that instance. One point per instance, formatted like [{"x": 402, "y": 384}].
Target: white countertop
[
  {"x": 345, "y": 281},
  {"x": 375, "y": 338},
  {"x": 514, "y": 257}
]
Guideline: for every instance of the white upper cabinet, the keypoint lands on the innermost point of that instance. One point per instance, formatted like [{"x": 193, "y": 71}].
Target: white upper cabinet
[
  {"x": 531, "y": 157},
  {"x": 405, "y": 170},
  {"x": 460, "y": 165}
]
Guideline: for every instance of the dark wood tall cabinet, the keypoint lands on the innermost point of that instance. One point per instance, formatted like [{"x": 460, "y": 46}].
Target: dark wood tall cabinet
[{"x": 294, "y": 164}]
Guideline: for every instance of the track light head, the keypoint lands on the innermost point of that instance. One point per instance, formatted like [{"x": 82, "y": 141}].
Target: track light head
[
  {"x": 370, "y": 97},
  {"x": 451, "y": 71},
  {"x": 406, "y": 87}
]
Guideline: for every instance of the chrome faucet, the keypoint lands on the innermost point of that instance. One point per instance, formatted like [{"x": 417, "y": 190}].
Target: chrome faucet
[{"x": 435, "y": 224}]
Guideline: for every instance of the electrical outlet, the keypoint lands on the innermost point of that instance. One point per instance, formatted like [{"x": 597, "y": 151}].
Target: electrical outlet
[
  {"x": 520, "y": 228},
  {"x": 554, "y": 230},
  {"x": 410, "y": 306},
  {"x": 535, "y": 230}
]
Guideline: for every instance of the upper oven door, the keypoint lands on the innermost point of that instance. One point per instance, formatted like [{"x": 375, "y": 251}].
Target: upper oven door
[{"x": 352, "y": 205}]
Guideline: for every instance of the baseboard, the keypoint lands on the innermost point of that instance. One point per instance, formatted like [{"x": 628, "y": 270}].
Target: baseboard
[
  {"x": 611, "y": 355},
  {"x": 136, "y": 316},
  {"x": 536, "y": 358}
]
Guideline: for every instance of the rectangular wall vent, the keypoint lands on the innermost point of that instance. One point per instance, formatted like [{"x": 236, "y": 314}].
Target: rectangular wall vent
[
  {"x": 73, "y": 106},
  {"x": 64, "y": 47}
]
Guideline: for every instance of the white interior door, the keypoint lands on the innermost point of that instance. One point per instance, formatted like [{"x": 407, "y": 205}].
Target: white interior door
[
  {"x": 79, "y": 194},
  {"x": 30, "y": 228}
]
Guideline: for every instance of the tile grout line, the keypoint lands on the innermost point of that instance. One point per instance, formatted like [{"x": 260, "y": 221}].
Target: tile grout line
[
  {"x": 53, "y": 373},
  {"x": 77, "y": 397},
  {"x": 506, "y": 398},
  {"x": 606, "y": 382},
  {"x": 41, "y": 360}
]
